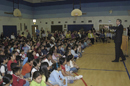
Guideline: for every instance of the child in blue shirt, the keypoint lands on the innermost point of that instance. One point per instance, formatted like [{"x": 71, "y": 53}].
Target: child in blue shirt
[
  {"x": 59, "y": 50},
  {"x": 76, "y": 56},
  {"x": 25, "y": 48},
  {"x": 44, "y": 50},
  {"x": 12, "y": 48},
  {"x": 56, "y": 76},
  {"x": 62, "y": 48},
  {"x": 85, "y": 43}
]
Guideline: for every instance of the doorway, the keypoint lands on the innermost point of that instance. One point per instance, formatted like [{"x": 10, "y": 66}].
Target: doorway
[{"x": 34, "y": 27}]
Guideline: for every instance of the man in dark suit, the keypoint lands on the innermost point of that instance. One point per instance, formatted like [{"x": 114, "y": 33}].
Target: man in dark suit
[
  {"x": 118, "y": 40},
  {"x": 129, "y": 31}
]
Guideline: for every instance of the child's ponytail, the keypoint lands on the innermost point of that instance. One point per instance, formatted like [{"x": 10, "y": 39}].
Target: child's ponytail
[{"x": 55, "y": 66}]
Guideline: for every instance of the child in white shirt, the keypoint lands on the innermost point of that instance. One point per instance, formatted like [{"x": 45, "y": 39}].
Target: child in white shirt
[{"x": 3, "y": 67}]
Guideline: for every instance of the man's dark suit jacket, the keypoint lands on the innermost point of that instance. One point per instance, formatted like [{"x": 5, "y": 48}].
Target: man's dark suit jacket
[{"x": 119, "y": 33}]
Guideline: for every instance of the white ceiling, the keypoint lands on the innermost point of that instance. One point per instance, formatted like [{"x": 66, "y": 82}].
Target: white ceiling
[{"x": 41, "y": 1}]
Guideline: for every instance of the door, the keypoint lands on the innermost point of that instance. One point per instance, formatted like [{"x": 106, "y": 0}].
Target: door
[
  {"x": 8, "y": 30},
  {"x": 34, "y": 27}
]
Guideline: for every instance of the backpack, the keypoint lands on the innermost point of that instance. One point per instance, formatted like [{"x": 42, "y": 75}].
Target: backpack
[{"x": 6, "y": 69}]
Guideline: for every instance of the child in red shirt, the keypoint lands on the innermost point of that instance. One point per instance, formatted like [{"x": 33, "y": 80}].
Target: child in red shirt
[
  {"x": 13, "y": 60},
  {"x": 18, "y": 78},
  {"x": 34, "y": 54}
]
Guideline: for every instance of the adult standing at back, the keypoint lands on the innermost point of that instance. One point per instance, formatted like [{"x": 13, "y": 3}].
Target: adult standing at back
[
  {"x": 42, "y": 33},
  {"x": 49, "y": 35},
  {"x": 2, "y": 35},
  {"x": 92, "y": 28},
  {"x": 118, "y": 40},
  {"x": 91, "y": 36},
  {"x": 68, "y": 36},
  {"x": 102, "y": 30},
  {"x": 129, "y": 31},
  {"x": 37, "y": 32},
  {"x": 12, "y": 36},
  {"x": 56, "y": 35},
  {"x": 29, "y": 36},
  {"x": 83, "y": 35}
]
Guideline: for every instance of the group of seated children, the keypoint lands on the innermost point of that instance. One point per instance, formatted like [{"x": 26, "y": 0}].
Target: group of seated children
[{"x": 41, "y": 63}]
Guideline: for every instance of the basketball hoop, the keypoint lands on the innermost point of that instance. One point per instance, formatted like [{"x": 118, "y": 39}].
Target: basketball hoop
[{"x": 76, "y": 12}]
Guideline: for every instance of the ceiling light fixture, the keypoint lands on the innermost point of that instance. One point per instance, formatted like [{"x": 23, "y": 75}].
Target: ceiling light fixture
[{"x": 34, "y": 21}]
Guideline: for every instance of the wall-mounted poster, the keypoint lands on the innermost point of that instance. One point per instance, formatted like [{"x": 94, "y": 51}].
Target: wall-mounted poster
[
  {"x": 52, "y": 22},
  {"x": 25, "y": 26},
  {"x": 20, "y": 26},
  {"x": 64, "y": 25},
  {"x": 18, "y": 31}
]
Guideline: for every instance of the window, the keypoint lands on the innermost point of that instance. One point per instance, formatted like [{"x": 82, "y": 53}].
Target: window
[
  {"x": 109, "y": 21},
  {"x": 82, "y": 21},
  {"x": 66, "y": 22},
  {"x": 100, "y": 21},
  {"x": 125, "y": 20},
  {"x": 46, "y": 22},
  {"x": 89, "y": 21},
  {"x": 74, "y": 21},
  {"x": 59, "y": 22},
  {"x": 64, "y": 25},
  {"x": 52, "y": 22}
]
